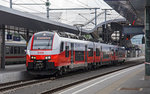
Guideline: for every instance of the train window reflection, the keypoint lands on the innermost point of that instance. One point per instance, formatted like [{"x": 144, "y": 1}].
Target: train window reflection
[
  {"x": 15, "y": 50},
  {"x": 22, "y": 49},
  {"x": 18, "y": 50},
  {"x": 11, "y": 50},
  {"x": 7, "y": 49}
]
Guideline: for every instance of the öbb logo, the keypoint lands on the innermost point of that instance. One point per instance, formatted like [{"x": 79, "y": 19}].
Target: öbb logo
[{"x": 40, "y": 52}]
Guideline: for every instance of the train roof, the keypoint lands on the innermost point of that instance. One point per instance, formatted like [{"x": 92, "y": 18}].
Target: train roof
[
  {"x": 44, "y": 32},
  {"x": 77, "y": 38},
  {"x": 15, "y": 43}
]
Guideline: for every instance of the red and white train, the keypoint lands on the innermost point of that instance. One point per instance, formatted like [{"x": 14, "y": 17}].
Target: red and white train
[{"x": 52, "y": 52}]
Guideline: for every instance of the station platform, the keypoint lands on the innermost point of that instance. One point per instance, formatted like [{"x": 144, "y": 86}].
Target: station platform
[
  {"x": 132, "y": 82},
  {"x": 13, "y": 73},
  {"x": 127, "y": 81}
]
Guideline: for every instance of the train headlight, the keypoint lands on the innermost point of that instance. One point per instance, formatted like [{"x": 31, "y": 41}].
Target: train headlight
[
  {"x": 33, "y": 57},
  {"x": 48, "y": 57}
]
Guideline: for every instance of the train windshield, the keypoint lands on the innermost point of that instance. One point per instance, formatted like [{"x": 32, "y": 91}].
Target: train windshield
[{"x": 43, "y": 40}]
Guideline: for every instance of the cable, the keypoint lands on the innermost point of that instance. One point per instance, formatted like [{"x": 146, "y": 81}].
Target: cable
[
  {"x": 30, "y": 9},
  {"x": 40, "y": 5},
  {"x": 97, "y": 3},
  {"x": 82, "y": 3},
  {"x": 5, "y": 1},
  {"x": 25, "y": 7},
  {"x": 76, "y": 3},
  {"x": 43, "y": 1}
]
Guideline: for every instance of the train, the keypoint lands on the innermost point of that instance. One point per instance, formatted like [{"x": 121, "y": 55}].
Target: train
[
  {"x": 59, "y": 52},
  {"x": 15, "y": 52}
]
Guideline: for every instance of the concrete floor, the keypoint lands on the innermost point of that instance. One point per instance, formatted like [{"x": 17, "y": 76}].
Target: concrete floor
[{"x": 127, "y": 81}]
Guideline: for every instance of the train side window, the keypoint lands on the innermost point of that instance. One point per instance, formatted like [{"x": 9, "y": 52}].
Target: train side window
[
  {"x": 62, "y": 46},
  {"x": 67, "y": 51},
  {"x": 11, "y": 50},
  {"x": 15, "y": 50},
  {"x": 18, "y": 50},
  {"x": 22, "y": 50},
  {"x": 116, "y": 52},
  {"x": 79, "y": 55},
  {"x": 90, "y": 53},
  {"x": 7, "y": 49},
  {"x": 97, "y": 52}
]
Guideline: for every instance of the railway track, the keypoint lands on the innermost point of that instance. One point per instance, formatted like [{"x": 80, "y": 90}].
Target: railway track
[{"x": 20, "y": 84}]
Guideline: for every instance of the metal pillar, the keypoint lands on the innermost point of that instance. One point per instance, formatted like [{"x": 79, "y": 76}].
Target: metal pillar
[
  {"x": 147, "y": 44},
  {"x": 3, "y": 47},
  {"x": 95, "y": 16},
  {"x": 47, "y": 12},
  {"x": 27, "y": 36},
  {"x": 47, "y": 5},
  {"x": 10, "y": 3},
  {"x": 105, "y": 17}
]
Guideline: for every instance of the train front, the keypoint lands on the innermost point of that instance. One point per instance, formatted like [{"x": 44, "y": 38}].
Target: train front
[{"x": 40, "y": 54}]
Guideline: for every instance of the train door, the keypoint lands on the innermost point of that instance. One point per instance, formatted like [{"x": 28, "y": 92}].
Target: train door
[
  {"x": 113, "y": 54},
  {"x": 72, "y": 49},
  {"x": 85, "y": 54}
]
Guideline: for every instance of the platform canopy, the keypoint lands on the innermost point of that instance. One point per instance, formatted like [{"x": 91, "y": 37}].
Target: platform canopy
[
  {"x": 69, "y": 18},
  {"x": 26, "y": 20}
]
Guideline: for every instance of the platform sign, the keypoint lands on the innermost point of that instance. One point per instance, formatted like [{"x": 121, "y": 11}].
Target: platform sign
[{"x": 9, "y": 36}]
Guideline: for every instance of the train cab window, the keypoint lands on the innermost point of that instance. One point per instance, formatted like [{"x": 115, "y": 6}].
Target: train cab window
[
  {"x": 61, "y": 46},
  {"x": 7, "y": 50},
  {"x": 97, "y": 52},
  {"x": 67, "y": 51},
  {"x": 90, "y": 52},
  {"x": 43, "y": 40}
]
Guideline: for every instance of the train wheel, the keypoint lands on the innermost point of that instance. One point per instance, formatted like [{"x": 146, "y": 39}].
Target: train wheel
[
  {"x": 85, "y": 69},
  {"x": 65, "y": 70},
  {"x": 60, "y": 72}
]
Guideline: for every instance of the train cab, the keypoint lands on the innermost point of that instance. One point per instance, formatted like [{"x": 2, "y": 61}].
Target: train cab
[{"x": 39, "y": 51}]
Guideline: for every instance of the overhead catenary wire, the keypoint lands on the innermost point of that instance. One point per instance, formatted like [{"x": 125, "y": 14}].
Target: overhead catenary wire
[
  {"x": 97, "y": 3},
  {"x": 40, "y": 6},
  {"x": 26, "y": 7},
  {"x": 77, "y": 4},
  {"x": 83, "y": 3},
  {"x": 42, "y": 1}
]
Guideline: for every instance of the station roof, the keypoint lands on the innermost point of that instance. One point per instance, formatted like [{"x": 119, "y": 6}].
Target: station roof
[
  {"x": 74, "y": 17},
  {"x": 20, "y": 19}
]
